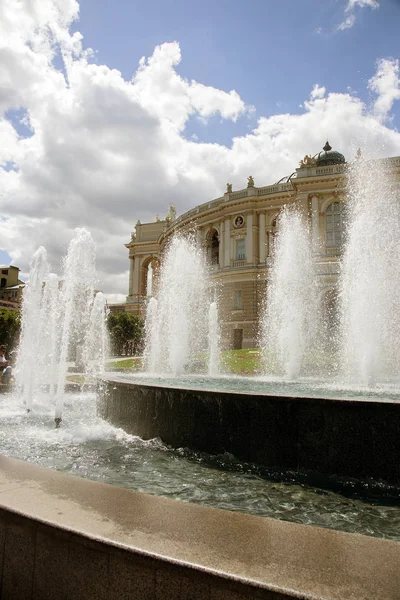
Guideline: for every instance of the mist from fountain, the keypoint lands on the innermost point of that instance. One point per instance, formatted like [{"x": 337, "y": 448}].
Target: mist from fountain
[
  {"x": 213, "y": 340},
  {"x": 31, "y": 358},
  {"x": 177, "y": 323},
  {"x": 288, "y": 324},
  {"x": 59, "y": 316},
  {"x": 96, "y": 350},
  {"x": 152, "y": 341},
  {"x": 370, "y": 277}
]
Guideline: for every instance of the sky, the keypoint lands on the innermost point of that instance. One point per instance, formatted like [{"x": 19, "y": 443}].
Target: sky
[{"x": 111, "y": 110}]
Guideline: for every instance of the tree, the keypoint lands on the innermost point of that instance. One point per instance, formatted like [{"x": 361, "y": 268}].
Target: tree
[
  {"x": 10, "y": 327},
  {"x": 126, "y": 333}
]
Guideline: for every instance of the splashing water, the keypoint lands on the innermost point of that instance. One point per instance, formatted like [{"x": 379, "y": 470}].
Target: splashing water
[
  {"x": 31, "y": 359},
  {"x": 287, "y": 328},
  {"x": 177, "y": 323},
  {"x": 370, "y": 278},
  {"x": 95, "y": 350},
  {"x": 152, "y": 343},
  {"x": 213, "y": 340},
  {"x": 59, "y": 315}
]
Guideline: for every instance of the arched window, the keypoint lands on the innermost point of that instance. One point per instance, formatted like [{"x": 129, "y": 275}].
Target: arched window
[
  {"x": 334, "y": 225},
  {"x": 213, "y": 247}
]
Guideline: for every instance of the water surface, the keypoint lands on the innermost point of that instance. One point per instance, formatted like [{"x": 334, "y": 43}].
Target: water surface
[{"x": 89, "y": 447}]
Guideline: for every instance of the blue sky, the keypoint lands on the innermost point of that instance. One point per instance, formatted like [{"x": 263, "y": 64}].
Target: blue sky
[
  {"x": 226, "y": 90},
  {"x": 271, "y": 53}
]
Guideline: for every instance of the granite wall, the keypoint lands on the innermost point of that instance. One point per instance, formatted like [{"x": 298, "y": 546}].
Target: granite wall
[
  {"x": 326, "y": 439},
  {"x": 42, "y": 562}
]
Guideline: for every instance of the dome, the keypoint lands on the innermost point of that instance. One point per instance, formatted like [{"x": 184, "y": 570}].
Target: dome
[{"x": 329, "y": 157}]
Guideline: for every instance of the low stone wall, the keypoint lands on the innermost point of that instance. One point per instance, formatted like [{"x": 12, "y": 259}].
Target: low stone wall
[
  {"x": 326, "y": 439},
  {"x": 65, "y": 538}
]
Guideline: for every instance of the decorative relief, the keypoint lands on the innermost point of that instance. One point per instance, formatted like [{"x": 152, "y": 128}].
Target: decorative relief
[{"x": 238, "y": 221}]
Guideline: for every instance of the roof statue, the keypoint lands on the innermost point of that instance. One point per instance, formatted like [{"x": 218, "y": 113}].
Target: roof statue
[
  {"x": 358, "y": 154},
  {"x": 228, "y": 188},
  {"x": 138, "y": 222},
  {"x": 171, "y": 215},
  {"x": 308, "y": 161},
  {"x": 157, "y": 218},
  {"x": 250, "y": 182}
]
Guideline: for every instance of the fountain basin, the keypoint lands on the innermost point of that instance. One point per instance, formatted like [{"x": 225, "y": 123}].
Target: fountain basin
[{"x": 331, "y": 442}]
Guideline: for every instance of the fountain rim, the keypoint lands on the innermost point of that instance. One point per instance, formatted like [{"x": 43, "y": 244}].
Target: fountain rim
[{"x": 251, "y": 394}]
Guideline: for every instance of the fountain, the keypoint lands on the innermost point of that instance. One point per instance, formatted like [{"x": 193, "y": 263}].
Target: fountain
[
  {"x": 59, "y": 316},
  {"x": 370, "y": 279},
  {"x": 177, "y": 326},
  {"x": 288, "y": 326},
  {"x": 213, "y": 340},
  {"x": 226, "y": 441},
  {"x": 333, "y": 426}
]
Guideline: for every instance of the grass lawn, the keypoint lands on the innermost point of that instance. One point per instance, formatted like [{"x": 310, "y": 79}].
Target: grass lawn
[
  {"x": 135, "y": 362},
  {"x": 238, "y": 362},
  {"x": 241, "y": 362},
  {"x": 76, "y": 378}
]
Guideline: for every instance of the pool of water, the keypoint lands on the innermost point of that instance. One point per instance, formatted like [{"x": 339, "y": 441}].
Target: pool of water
[
  {"x": 304, "y": 387},
  {"x": 89, "y": 447}
]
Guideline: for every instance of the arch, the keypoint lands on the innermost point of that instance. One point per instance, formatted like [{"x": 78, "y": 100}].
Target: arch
[
  {"x": 272, "y": 218},
  {"x": 144, "y": 275},
  {"x": 327, "y": 200}
]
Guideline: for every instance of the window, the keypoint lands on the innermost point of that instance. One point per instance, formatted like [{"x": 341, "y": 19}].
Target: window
[
  {"x": 238, "y": 300},
  {"x": 3, "y": 282},
  {"x": 4, "y": 272},
  {"x": 334, "y": 225},
  {"x": 240, "y": 250},
  {"x": 214, "y": 249}
]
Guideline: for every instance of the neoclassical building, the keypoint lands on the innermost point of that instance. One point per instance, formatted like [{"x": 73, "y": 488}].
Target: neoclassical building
[{"x": 237, "y": 230}]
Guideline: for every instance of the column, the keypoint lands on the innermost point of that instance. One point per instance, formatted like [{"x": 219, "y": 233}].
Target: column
[
  {"x": 136, "y": 276},
  {"x": 315, "y": 223},
  {"x": 269, "y": 242},
  {"x": 131, "y": 269},
  {"x": 227, "y": 250},
  {"x": 221, "y": 244},
  {"x": 249, "y": 239},
  {"x": 262, "y": 238},
  {"x": 256, "y": 240}
]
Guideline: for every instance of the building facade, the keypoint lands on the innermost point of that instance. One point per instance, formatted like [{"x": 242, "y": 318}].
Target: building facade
[
  {"x": 237, "y": 231},
  {"x": 11, "y": 287}
]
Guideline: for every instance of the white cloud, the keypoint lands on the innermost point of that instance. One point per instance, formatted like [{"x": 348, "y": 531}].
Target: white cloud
[
  {"x": 386, "y": 84},
  {"x": 317, "y": 92},
  {"x": 106, "y": 151},
  {"x": 352, "y": 5}
]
